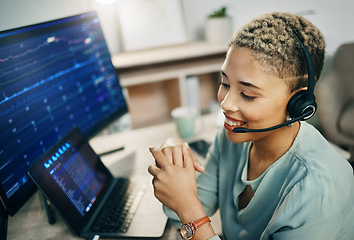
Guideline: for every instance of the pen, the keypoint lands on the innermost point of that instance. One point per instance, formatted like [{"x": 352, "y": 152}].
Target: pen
[{"x": 111, "y": 151}]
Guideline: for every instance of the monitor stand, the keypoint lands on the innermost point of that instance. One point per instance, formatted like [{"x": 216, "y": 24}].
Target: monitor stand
[
  {"x": 48, "y": 208},
  {"x": 3, "y": 222}
]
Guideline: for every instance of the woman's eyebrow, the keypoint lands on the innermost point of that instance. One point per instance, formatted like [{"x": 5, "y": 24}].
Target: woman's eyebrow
[{"x": 248, "y": 84}]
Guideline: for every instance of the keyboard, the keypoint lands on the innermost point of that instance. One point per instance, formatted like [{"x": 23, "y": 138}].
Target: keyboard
[{"x": 120, "y": 208}]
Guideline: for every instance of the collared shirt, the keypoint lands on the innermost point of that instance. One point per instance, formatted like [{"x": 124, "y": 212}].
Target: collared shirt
[{"x": 308, "y": 193}]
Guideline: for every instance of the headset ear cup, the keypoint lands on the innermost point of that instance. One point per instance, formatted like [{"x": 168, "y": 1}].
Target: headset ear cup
[{"x": 298, "y": 104}]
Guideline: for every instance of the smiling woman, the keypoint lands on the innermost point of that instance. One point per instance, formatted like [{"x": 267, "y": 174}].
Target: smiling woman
[
  {"x": 284, "y": 181},
  {"x": 250, "y": 95}
]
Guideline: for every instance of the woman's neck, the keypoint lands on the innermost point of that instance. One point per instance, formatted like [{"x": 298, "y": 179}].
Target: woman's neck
[{"x": 266, "y": 151}]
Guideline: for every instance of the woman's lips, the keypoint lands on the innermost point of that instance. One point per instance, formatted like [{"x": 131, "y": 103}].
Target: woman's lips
[{"x": 231, "y": 123}]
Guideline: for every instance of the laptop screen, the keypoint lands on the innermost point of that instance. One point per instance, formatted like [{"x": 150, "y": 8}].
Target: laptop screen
[
  {"x": 53, "y": 76},
  {"x": 72, "y": 176}
]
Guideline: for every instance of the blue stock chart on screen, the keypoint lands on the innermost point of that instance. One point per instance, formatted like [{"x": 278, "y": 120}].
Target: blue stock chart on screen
[{"x": 53, "y": 76}]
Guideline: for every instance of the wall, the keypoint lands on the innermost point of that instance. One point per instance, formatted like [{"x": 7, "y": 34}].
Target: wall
[
  {"x": 17, "y": 13},
  {"x": 334, "y": 18}
]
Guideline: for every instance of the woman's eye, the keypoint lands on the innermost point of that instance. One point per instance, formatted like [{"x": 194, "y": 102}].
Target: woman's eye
[
  {"x": 225, "y": 85},
  {"x": 249, "y": 98}
]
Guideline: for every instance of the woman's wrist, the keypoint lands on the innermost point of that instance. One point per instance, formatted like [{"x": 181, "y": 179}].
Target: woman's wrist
[
  {"x": 190, "y": 210},
  {"x": 192, "y": 229},
  {"x": 188, "y": 230}
]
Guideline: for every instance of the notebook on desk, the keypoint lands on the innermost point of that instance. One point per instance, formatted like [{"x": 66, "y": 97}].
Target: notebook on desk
[{"x": 80, "y": 187}]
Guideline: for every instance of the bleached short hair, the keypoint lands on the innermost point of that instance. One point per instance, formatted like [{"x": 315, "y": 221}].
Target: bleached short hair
[{"x": 276, "y": 48}]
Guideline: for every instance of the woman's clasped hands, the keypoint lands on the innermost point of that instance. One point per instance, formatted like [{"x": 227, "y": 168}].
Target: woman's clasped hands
[{"x": 174, "y": 177}]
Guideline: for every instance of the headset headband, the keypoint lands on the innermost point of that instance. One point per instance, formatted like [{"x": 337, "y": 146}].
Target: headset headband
[{"x": 310, "y": 69}]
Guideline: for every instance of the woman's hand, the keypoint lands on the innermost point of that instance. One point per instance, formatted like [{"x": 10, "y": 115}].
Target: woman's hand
[
  {"x": 174, "y": 177},
  {"x": 175, "y": 185},
  {"x": 172, "y": 149}
]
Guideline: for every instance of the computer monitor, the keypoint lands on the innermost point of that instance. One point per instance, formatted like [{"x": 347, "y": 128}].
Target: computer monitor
[{"x": 53, "y": 76}]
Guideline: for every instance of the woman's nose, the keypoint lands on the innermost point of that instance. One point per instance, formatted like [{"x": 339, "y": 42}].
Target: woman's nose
[{"x": 229, "y": 103}]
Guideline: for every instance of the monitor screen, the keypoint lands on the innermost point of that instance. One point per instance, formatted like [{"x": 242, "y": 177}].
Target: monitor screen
[{"x": 54, "y": 76}]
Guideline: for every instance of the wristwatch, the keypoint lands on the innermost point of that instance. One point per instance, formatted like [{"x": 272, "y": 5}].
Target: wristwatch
[{"x": 188, "y": 229}]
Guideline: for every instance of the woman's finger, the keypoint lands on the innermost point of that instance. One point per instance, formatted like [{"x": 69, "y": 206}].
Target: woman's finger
[
  {"x": 153, "y": 170},
  {"x": 173, "y": 154},
  {"x": 197, "y": 166},
  {"x": 160, "y": 158},
  {"x": 188, "y": 161},
  {"x": 177, "y": 156},
  {"x": 167, "y": 151}
]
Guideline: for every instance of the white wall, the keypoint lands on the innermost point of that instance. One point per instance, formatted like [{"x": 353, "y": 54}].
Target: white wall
[
  {"x": 107, "y": 14},
  {"x": 17, "y": 13},
  {"x": 334, "y": 18}
]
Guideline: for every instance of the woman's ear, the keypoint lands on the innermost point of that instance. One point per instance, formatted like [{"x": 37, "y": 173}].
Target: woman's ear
[{"x": 296, "y": 91}]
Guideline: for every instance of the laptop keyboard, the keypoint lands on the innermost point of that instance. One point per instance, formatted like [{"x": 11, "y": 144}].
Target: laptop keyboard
[{"x": 119, "y": 210}]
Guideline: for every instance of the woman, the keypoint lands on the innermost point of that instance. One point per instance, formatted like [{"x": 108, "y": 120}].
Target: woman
[{"x": 287, "y": 183}]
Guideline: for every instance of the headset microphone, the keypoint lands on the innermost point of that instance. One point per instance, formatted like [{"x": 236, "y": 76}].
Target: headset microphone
[
  {"x": 246, "y": 130},
  {"x": 302, "y": 105}
]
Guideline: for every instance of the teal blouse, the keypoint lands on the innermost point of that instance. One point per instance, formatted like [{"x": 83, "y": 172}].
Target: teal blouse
[{"x": 308, "y": 193}]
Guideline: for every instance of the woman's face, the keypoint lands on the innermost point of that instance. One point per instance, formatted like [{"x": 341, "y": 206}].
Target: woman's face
[{"x": 249, "y": 97}]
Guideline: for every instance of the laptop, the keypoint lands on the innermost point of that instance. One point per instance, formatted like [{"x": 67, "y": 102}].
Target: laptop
[{"x": 85, "y": 193}]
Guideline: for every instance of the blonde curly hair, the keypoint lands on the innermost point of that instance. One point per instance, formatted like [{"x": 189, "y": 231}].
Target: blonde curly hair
[{"x": 278, "y": 51}]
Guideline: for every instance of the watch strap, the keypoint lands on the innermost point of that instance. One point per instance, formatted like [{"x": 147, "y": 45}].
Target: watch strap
[{"x": 198, "y": 223}]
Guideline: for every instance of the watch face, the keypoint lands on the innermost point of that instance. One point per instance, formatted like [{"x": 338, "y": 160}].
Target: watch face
[{"x": 186, "y": 231}]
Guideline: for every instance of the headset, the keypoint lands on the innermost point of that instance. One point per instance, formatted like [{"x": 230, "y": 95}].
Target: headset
[{"x": 302, "y": 105}]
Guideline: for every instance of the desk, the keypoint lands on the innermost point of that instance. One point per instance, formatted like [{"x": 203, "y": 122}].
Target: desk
[{"x": 31, "y": 221}]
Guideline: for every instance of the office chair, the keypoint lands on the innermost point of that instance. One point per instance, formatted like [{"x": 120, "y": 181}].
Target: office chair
[{"x": 335, "y": 96}]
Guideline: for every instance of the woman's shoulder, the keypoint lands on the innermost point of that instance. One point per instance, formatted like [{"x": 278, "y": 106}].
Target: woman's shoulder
[
  {"x": 316, "y": 169},
  {"x": 328, "y": 177},
  {"x": 317, "y": 155}
]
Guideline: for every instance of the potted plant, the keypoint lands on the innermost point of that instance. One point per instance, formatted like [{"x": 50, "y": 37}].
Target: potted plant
[{"x": 218, "y": 26}]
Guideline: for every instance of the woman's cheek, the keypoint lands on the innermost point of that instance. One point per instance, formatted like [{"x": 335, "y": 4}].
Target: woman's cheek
[{"x": 221, "y": 95}]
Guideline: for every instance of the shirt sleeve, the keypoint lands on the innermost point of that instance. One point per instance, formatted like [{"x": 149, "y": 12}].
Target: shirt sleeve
[
  {"x": 207, "y": 182},
  {"x": 216, "y": 237}
]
